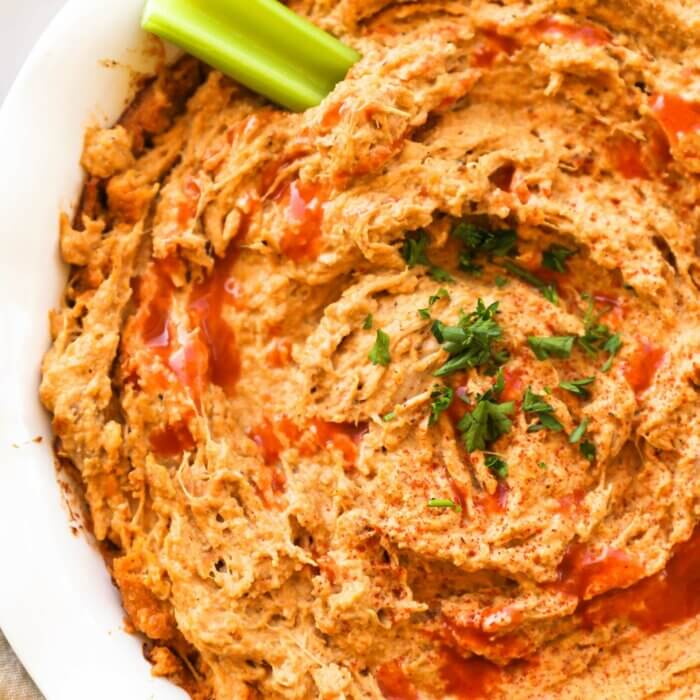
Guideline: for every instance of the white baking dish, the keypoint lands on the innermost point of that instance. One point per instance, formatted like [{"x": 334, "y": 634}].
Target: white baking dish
[{"x": 58, "y": 607}]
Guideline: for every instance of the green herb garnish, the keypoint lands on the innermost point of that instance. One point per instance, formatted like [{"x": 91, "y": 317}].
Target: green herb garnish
[
  {"x": 578, "y": 386},
  {"x": 414, "y": 252},
  {"x": 424, "y": 313},
  {"x": 444, "y": 503},
  {"x": 542, "y": 465},
  {"x": 579, "y": 432},
  {"x": 489, "y": 419},
  {"x": 496, "y": 466},
  {"x": 548, "y": 291},
  {"x": 498, "y": 242},
  {"x": 612, "y": 346},
  {"x": 555, "y": 257},
  {"x": 441, "y": 399},
  {"x": 477, "y": 240},
  {"x": 597, "y": 337},
  {"x": 588, "y": 450},
  {"x": 470, "y": 342},
  {"x": 551, "y": 346},
  {"x": 368, "y": 322},
  {"x": 501, "y": 281},
  {"x": 441, "y": 293},
  {"x": 536, "y": 405},
  {"x": 388, "y": 417},
  {"x": 379, "y": 354}
]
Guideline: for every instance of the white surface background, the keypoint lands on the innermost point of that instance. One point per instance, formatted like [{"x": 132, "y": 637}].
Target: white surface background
[{"x": 21, "y": 23}]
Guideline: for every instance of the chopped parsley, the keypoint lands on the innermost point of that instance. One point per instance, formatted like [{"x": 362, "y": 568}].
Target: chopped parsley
[
  {"x": 368, "y": 322},
  {"x": 444, "y": 503},
  {"x": 470, "y": 342},
  {"x": 481, "y": 240},
  {"x": 388, "y": 417},
  {"x": 489, "y": 419},
  {"x": 467, "y": 264},
  {"x": 496, "y": 466},
  {"x": 587, "y": 449},
  {"x": 578, "y": 386},
  {"x": 536, "y": 405},
  {"x": 555, "y": 257},
  {"x": 501, "y": 281},
  {"x": 441, "y": 293},
  {"x": 424, "y": 313},
  {"x": 441, "y": 399},
  {"x": 579, "y": 432},
  {"x": 598, "y": 338},
  {"x": 551, "y": 346},
  {"x": 542, "y": 465},
  {"x": 548, "y": 291},
  {"x": 414, "y": 252},
  {"x": 379, "y": 354},
  {"x": 612, "y": 347}
]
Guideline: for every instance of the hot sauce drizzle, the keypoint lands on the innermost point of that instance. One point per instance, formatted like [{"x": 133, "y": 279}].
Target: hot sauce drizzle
[
  {"x": 316, "y": 436},
  {"x": 489, "y": 46},
  {"x": 304, "y": 210},
  {"x": 587, "y": 34},
  {"x": 626, "y": 155},
  {"x": 206, "y": 308},
  {"x": 585, "y": 572},
  {"x": 187, "y": 208},
  {"x": 676, "y": 116},
  {"x": 344, "y": 437},
  {"x": 656, "y": 602},
  {"x": 468, "y": 679},
  {"x": 172, "y": 440},
  {"x": 280, "y": 354},
  {"x": 642, "y": 366},
  {"x": 394, "y": 684}
]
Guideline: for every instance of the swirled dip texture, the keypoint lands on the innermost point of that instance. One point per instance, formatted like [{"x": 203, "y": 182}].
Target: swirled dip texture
[{"x": 399, "y": 397}]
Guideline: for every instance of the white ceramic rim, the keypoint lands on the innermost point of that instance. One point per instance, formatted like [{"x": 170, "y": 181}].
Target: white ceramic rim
[{"x": 58, "y": 607}]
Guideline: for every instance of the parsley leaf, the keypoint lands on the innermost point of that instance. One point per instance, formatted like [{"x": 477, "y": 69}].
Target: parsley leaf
[
  {"x": 578, "y": 386},
  {"x": 424, "y": 313},
  {"x": 554, "y": 258},
  {"x": 441, "y": 293},
  {"x": 414, "y": 252},
  {"x": 551, "y": 346},
  {"x": 579, "y": 432},
  {"x": 478, "y": 240},
  {"x": 467, "y": 264},
  {"x": 536, "y": 405},
  {"x": 501, "y": 281},
  {"x": 598, "y": 338},
  {"x": 496, "y": 466},
  {"x": 379, "y": 354},
  {"x": 442, "y": 398},
  {"x": 486, "y": 423},
  {"x": 439, "y": 274},
  {"x": 612, "y": 346},
  {"x": 387, "y": 418},
  {"x": 548, "y": 291},
  {"x": 587, "y": 449},
  {"x": 542, "y": 465},
  {"x": 498, "y": 242},
  {"x": 367, "y": 324},
  {"x": 444, "y": 503},
  {"x": 470, "y": 342}
]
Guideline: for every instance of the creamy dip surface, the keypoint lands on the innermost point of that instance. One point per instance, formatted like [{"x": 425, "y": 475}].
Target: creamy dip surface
[{"x": 399, "y": 397}]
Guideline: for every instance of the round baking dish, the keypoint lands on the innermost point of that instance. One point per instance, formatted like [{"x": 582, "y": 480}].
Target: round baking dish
[{"x": 58, "y": 607}]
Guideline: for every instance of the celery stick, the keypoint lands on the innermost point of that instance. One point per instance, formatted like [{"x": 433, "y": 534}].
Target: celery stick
[{"x": 260, "y": 43}]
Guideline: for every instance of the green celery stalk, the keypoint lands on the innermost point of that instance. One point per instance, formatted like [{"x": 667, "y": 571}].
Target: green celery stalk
[{"x": 260, "y": 43}]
